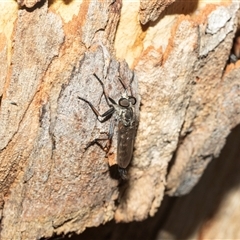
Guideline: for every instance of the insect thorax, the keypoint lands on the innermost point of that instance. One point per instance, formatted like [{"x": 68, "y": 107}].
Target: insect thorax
[{"x": 126, "y": 116}]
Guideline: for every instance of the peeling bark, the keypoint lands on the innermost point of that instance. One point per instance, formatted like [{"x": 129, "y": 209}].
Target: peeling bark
[
  {"x": 28, "y": 3},
  {"x": 151, "y": 10}
]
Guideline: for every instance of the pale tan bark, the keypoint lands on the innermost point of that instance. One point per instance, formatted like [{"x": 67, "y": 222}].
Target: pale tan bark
[{"x": 189, "y": 104}]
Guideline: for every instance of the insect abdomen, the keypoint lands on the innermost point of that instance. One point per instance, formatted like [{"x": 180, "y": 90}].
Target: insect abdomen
[{"x": 126, "y": 138}]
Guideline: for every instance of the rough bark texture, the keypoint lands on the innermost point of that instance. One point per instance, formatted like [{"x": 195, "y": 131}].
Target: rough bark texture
[
  {"x": 209, "y": 211},
  {"x": 189, "y": 104},
  {"x": 150, "y": 10}
]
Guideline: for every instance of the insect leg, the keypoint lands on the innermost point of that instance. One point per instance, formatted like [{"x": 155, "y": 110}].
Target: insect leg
[
  {"x": 108, "y": 138},
  {"x": 105, "y": 115},
  {"x": 104, "y": 92},
  {"x": 110, "y": 134},
  {"x": 96, "y": 141},
  {"x": 124, "y": 86},
  {"x": 130, "y": 84}
]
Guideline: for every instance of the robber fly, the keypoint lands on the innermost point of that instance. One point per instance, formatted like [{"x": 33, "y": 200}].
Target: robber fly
[{"x": 122, "y": 114}]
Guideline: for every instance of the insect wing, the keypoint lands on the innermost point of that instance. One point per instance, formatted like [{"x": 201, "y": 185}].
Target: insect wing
[{"x": 126, "y": 138}]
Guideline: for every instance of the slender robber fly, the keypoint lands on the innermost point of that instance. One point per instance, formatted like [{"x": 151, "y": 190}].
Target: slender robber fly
[{"x": 122, "y": 114}]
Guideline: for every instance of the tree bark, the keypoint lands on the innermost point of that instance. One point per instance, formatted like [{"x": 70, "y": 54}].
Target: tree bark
[{"x": 189, "y": 95}]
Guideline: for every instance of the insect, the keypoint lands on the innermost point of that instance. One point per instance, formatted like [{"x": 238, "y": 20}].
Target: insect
[{"x": 122, "y": 114}]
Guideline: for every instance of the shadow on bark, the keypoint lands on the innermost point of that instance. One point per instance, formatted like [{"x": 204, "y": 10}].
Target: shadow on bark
[{"x": 180, "y": 217}]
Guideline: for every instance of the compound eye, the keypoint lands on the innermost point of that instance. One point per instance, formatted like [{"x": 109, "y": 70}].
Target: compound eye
[
  {"x": 123, "y": 102},
  {"x": 132, "y": 100}
]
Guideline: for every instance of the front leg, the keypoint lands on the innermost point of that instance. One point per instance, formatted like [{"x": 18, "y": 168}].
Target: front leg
[{"x": 105, "y": 115}]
